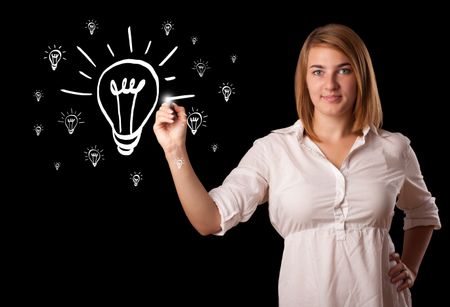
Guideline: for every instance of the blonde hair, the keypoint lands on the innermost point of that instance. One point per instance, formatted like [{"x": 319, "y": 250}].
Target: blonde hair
[{"x": 367, "y": 108}]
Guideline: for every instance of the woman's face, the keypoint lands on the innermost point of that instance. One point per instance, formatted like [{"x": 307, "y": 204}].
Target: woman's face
[{"x": 331, "y": 82}]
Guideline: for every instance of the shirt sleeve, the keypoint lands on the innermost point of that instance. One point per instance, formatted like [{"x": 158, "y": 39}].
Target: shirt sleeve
[
  {"x": 414, "y": 198},
  {"x": 243, "y": 189}
]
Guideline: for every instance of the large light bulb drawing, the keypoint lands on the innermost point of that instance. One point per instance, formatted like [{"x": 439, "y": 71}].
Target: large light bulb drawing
[
  {"x": 127, "y": 94},
  {"x": 120, "y": 112},
  {"x": 195, "y": 120},
  {"x": 54, "y": 56}
]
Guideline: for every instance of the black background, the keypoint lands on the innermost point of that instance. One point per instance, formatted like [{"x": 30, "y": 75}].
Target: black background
[{"x": 89, "y": 236}]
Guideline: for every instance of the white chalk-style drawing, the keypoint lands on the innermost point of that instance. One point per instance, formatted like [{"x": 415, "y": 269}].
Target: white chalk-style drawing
[
  {"x": 195, "y": 120},
  {"x": 168, "y": 26},
  {"x": 94, "y": 155},
  {"x": 38, "y": 94},
  {"x": 54, "y": 56},
  {"x": 136, "y": 177},
  {"x": 179, "y": 162},
  {"x": 118, "y": 89},
  {"x": 200, "y": 66},
  {"x": 226, "y": 90},
  {"x": 214, "y": 147},
  {"x": 57, "y": 165},
  {"x": 38, "y": 128},
  {"x": 71, "y": 120},
  {"x": 92, "y": 25},
  {"x": 233, "y": 58},
  {"x": 194, "y": 40}
]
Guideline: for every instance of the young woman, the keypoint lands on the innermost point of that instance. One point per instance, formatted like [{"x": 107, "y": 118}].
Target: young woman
[{"x": 332, "y": 181}]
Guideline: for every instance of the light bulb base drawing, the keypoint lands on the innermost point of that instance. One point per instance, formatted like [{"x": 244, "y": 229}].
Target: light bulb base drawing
[{"x": 127, "y": 142}]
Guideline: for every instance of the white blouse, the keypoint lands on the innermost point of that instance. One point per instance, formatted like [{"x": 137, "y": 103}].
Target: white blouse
[{"x": 335, "y": 222}]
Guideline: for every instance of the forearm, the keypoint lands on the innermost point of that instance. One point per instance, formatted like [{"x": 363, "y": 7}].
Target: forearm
[
  {"x": 197, "y": 204},
  {"x": 415, "y": 244}
]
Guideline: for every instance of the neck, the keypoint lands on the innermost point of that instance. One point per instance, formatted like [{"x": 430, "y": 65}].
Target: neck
[{"x": 332, "y": 129}]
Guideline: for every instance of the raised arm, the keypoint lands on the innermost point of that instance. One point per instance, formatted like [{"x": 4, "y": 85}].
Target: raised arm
[{"x": 170, "y": 130}]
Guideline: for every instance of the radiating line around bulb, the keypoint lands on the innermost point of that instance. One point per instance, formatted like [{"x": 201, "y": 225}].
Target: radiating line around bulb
[
  {"x": 168, "y": 56},
  {"x": 110, "y": 50},
  {"x": 172, "y": 98},
  {"x": 86, "y": 56},
  {"x": 84, "y": 75},
  {"x": 148, "y": 47},
  {"x": 76, "y": 93},
  {"x": 130, "y": 40}
]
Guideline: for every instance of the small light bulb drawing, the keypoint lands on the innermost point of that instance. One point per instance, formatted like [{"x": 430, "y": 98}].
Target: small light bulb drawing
[
  {"x": 200, "y": 66},
  {"x": 214, "y": 147},
  {"x": 57, "y": 165},
  {"x": 195, "y": 120},
  {"x": 54, "y": 56},
  {"x": 194, "y": 40},
  {"x": 92, "y": 25},
  {"x": 71, "y": 120},
  {"x": 233, "y": 58},
  {"x": 38, "y": 129},
  {"x": 136, "y": 177},
  {"x": 38, "y": 94},
  {"x": 127, "y": 93},
  {"x": 94, "y": 155},
  {"x": 179, "y": 162},
  {"x": 167, "y": 26},
  {"x": 226, "y": 90}
]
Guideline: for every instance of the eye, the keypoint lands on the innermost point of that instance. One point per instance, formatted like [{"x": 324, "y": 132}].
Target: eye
[
  {"x": 317, "y": 72},
  {"x": 345, "y": 71}
]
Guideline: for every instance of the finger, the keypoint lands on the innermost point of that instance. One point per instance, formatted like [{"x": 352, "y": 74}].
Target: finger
[
  {"x": 163, "y": 117},
  {"x": 403, "y": 275},
  {"x": 394, "y": 256},
  {"x": 405, "y": 285},
  {"x": 396, "y": 269}
]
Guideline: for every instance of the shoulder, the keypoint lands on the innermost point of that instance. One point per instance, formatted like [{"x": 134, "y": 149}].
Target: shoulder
[
  {"x": 393, "y": 143},
  {"x": 281, "y": 137}
]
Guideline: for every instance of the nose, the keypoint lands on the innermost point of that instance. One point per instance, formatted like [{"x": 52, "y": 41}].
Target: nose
[{"x": 331, "y": 82}]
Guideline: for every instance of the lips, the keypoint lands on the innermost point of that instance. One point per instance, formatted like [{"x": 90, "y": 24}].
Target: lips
[{"x": 332, "y": 98}]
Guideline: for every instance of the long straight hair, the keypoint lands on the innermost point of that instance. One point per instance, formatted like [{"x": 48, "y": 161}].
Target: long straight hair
[{"x": 367, "y": 108}]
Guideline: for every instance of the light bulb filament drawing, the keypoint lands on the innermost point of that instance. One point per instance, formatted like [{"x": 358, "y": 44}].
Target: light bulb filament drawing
[{"x": 125, "y": 90}]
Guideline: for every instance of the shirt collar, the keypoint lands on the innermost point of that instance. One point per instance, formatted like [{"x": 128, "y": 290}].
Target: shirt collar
[{"x": 297, "y": 129}]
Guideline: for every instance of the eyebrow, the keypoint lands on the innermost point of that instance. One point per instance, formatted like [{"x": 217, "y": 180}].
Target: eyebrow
[{"x": 321, "y": 66}]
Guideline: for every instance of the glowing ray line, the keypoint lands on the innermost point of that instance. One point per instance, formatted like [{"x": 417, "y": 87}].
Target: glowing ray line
[
  {"x": 170, "y": 78},
  {"x": 148, "y": 47},
  {"x": 76, "y": 93},
  {"x": 179, "y": 97},
  {"x": 110, "y": 50},
  {"x": 84, "y": 75},
  {"x": 130, "y": 40},
  {"x": 168, "y": 56},
  {"x": 86, "y": 56}
]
